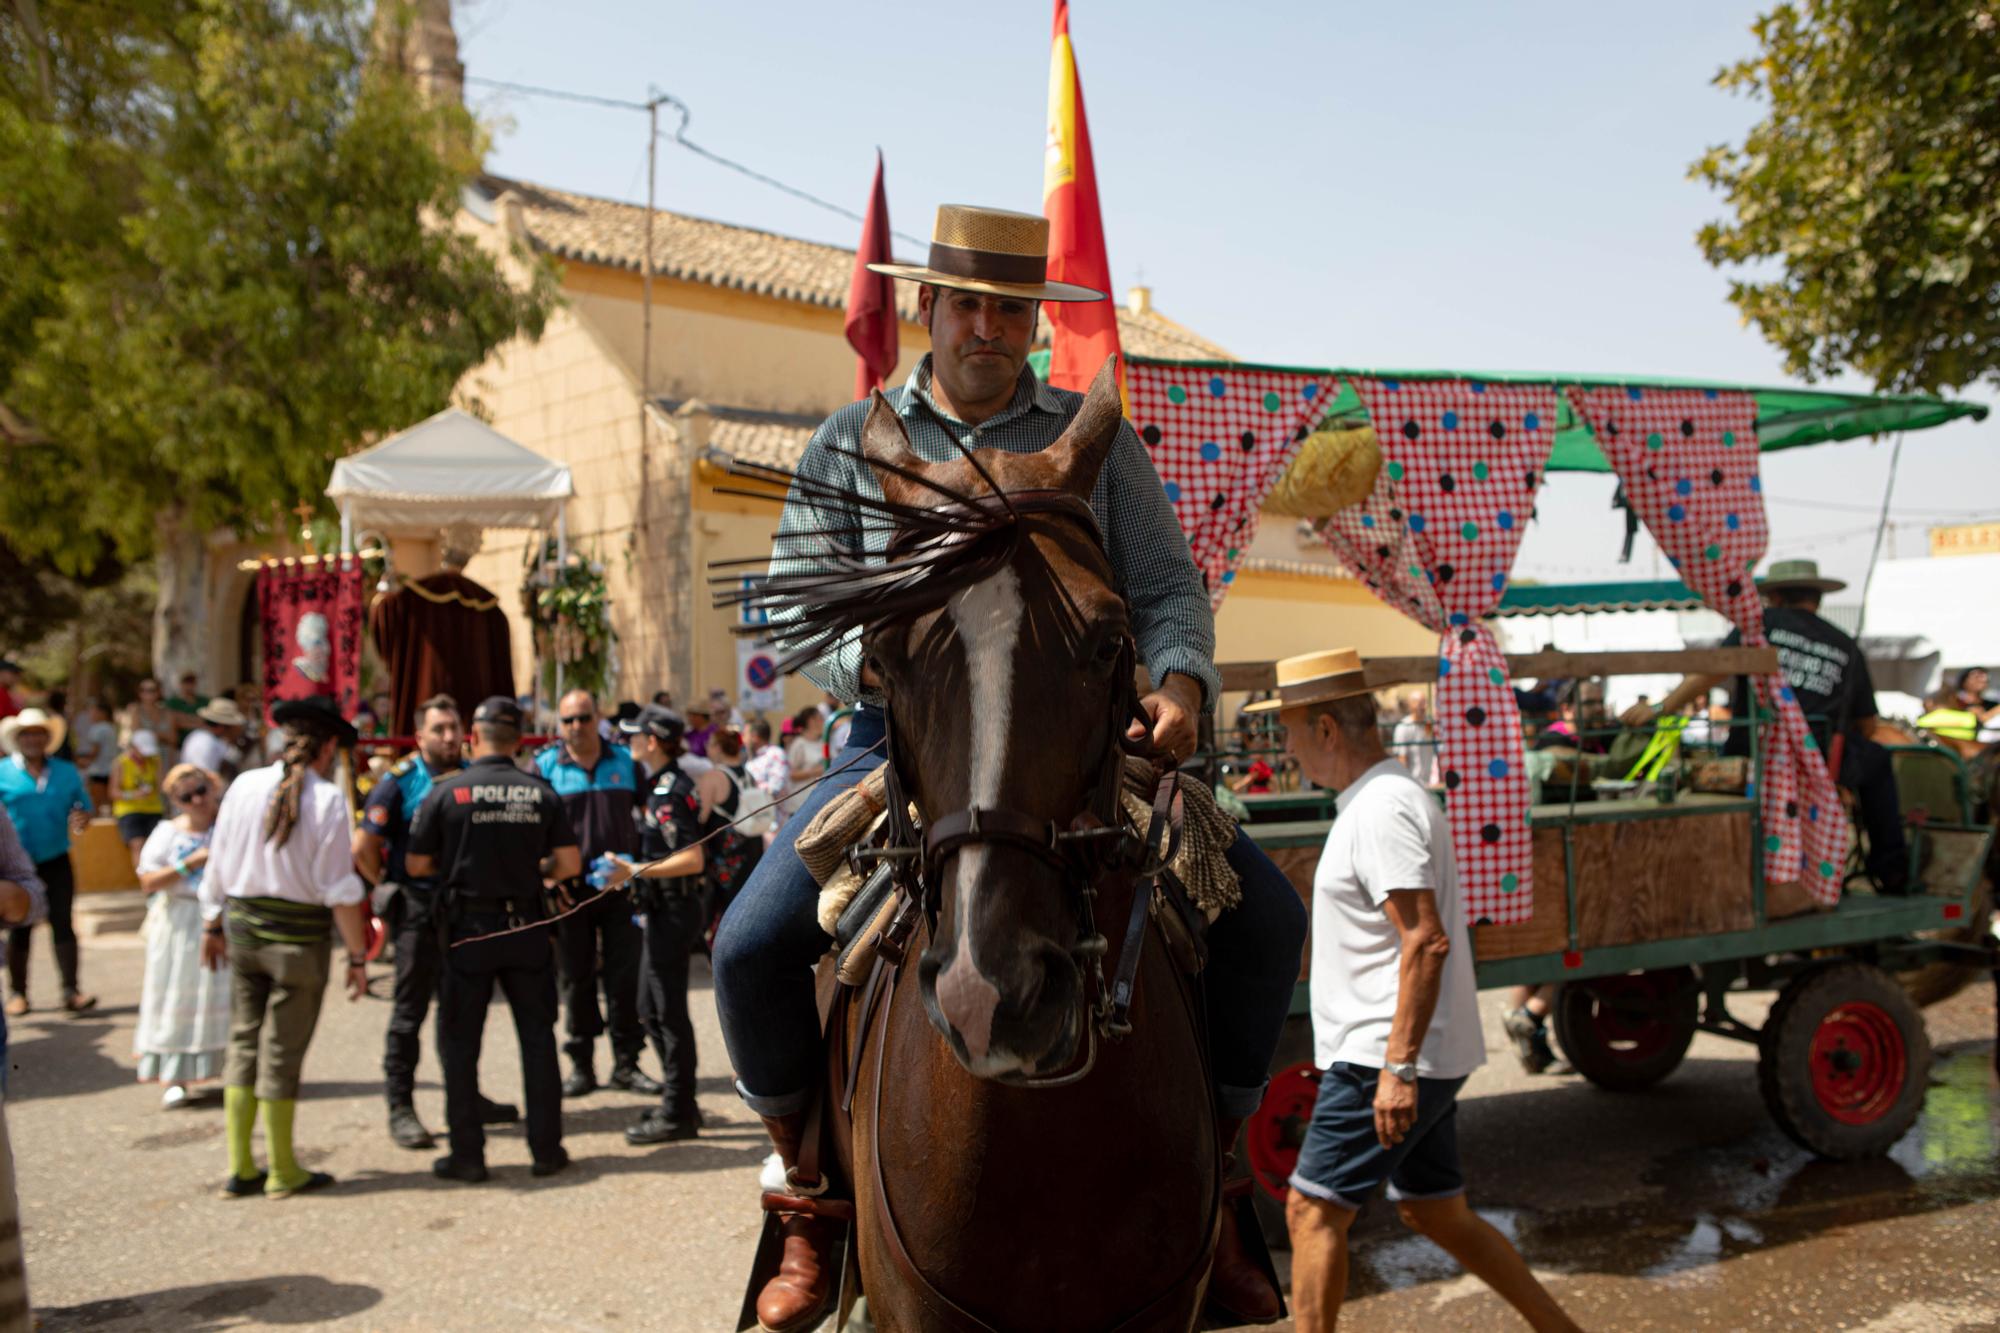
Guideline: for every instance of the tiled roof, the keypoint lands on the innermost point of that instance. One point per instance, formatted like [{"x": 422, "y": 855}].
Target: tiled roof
[
  {"x": 775, "y": 439},
  {"x": 604, "y": 231}
]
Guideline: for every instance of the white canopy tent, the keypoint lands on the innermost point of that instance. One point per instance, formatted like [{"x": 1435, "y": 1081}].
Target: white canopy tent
[
  {"x": 449, "y": 470},
  {"x": 452, "y": 468}
]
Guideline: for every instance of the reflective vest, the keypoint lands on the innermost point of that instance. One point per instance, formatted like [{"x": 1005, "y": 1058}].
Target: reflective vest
[{"x": 1954, "y": 724}]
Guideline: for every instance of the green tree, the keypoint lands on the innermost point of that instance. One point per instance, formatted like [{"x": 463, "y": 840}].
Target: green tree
[
  {"x": 1867, "y": 201},
  {"x": 228, "y": 260}
]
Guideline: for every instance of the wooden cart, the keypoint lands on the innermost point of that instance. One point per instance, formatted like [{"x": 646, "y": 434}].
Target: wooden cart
[{"x": 1650, "y": 912}]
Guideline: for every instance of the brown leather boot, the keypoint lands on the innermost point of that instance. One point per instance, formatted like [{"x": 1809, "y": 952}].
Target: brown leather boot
[
  {"x": 1237, "y": 1287},
  {"x": 797, "y": 1297}
]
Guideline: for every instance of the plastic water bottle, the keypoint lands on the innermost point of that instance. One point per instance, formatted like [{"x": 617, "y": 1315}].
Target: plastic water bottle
[{"x": 600, "y": 870}]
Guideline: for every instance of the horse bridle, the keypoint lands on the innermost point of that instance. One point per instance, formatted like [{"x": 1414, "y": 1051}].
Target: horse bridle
[{"x": 1096, "y": 843}]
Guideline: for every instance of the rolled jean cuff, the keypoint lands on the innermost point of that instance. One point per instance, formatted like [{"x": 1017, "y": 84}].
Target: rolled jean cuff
[
  {"x": 1238, "y": 1103},
  {"x": 790, "y": 1103},
  {"x": 1314, "y": 1190}
]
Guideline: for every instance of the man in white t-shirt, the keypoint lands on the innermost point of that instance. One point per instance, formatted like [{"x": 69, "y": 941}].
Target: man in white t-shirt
[{"x": 1394, "y": 1006}]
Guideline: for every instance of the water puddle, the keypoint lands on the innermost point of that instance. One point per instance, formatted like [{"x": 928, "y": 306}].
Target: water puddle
[{"x": 1704, "y": 1205}]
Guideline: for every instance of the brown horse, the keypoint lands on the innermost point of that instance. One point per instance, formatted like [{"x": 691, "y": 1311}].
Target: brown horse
[{"x": 1013, "y": 1166}]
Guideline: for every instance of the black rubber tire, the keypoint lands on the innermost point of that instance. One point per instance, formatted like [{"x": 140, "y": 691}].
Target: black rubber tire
[
  {"x": 1785, "y": 1054},
  {"x": 1934, "y": 982},
  {"x": 1612, "y": 1067}
]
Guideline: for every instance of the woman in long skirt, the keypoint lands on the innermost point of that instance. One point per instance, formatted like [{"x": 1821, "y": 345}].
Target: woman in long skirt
[{"x": 184, "y": 1009}]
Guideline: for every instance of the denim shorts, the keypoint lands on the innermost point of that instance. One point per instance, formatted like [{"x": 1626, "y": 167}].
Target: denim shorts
[{"x": 1343, "y": 1162}]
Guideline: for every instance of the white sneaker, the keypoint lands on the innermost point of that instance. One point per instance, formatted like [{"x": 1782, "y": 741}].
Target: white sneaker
[{"x": 174, "y": 1096}]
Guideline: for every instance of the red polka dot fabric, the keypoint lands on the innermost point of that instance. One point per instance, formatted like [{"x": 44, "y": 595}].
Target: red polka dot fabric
[
  {"x": 1461, "y": 462},
  {"x": 1220, "y": 439},
  {"x": 1688, "y": 462}
]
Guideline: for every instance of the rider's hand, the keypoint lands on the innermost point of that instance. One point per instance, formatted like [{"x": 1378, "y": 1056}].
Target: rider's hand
[
  {"x": 1395, "y": 1109},
  {"x": 1639, "y": 715},
  {"x": 618, "y": 872},
  {"x": 1175, "y": 709}
]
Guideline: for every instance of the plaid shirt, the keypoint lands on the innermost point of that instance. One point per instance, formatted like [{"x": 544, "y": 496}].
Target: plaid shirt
[{"x": 1171, "y": 619}]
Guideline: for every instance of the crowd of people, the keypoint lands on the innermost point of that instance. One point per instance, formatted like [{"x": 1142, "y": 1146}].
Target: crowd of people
[{"x": 634, "y": 783}]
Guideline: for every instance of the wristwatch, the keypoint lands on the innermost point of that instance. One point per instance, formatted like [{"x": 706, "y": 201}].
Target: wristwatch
[{"x": 1406, "y": 1072}]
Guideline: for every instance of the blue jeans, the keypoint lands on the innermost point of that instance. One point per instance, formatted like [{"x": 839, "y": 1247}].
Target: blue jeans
[
  {"x": 1343, "y": 1162},
  {"x": 770, "y": 939}
]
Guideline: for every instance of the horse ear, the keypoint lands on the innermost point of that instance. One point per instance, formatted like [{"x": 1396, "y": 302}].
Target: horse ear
[
  {"x": 1079, "y": 455},
  {"x": 885, "y": 442}
]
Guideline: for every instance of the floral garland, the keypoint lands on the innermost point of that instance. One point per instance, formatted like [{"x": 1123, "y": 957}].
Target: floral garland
[{"x": 569, "y": 604}]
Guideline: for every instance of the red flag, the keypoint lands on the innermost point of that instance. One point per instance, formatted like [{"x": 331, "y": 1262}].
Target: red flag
[
  {"x": 1085, "y": 332},
  {"x": 871, "y": 299}
]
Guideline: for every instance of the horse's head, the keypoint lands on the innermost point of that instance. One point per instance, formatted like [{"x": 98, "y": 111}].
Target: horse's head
[{"x": 1009, "y": 698}]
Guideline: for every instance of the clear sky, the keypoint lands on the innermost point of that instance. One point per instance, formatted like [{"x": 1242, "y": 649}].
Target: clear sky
[{"x": 1489, "y": 186}]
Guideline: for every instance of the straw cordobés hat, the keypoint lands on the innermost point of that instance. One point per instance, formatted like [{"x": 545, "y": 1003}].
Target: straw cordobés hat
[
  {"x": 1316, "y": 678},
  {"x": 991, "y": 251}
]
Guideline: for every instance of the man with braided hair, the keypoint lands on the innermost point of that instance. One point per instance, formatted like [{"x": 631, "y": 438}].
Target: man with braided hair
[{"x": 279, "y": 881}]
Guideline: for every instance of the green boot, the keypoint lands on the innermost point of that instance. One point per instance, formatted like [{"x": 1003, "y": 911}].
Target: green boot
[
  {"x": 287, "y": 1176},
  {"x": 239, "y": 1117}
]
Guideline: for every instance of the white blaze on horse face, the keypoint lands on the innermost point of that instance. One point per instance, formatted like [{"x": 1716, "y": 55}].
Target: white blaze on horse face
[{"x": 988, "y": 618}]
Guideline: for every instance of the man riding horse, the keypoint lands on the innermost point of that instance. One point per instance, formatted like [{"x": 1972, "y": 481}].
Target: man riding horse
[{"x": 980, "y": 298}]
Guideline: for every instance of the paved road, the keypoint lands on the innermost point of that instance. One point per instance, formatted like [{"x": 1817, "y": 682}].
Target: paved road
[{"x": 1682, "y": 1208}]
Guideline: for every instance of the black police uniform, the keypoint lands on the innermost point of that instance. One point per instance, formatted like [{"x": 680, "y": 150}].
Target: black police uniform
[
  {"x": 392, "y": 804},
  {"x": 672, "y": 912},
  {"x": 488, "y": 827}
]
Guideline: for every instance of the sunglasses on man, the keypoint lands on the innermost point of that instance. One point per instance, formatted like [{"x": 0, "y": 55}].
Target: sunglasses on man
[
  {"x": 580, "y": 720},
  {"x": 192, "y": 793}
]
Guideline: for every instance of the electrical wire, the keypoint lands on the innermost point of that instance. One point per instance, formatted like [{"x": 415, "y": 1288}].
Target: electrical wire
[
  {"x": 1837, "y": 506},
  {"x": 678, "y": 137}
]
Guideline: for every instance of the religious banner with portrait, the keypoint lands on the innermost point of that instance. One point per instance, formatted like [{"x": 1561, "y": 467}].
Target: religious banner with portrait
[{"x": 311, "y": 620}]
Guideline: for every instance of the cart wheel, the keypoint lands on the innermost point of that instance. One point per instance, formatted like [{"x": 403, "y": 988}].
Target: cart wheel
[
  {"x": 1627, "y": 1033},
  {"x": 1844, "y": 1060},
  {"x": 1277, "y": 1131}
]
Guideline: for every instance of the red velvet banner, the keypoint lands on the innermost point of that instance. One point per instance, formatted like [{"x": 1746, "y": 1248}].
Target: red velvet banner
[{"x": 311, "y": 617}]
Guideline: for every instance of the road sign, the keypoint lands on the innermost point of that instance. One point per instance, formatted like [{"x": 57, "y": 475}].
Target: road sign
[{"x": 758, "y": 684}]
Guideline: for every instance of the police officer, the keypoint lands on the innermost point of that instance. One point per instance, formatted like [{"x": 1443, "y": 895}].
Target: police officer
[
  {"x": 667, "y": 890},
  {"x": 599, "y": 788},
  {"x": 405, "y": 902},
  {"x": 490, "y": 833}
]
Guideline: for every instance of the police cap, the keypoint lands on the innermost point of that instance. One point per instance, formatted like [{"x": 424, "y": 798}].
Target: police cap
[
  {"x": 498, "y": 708},
  {"x": 663, "y": 724}
]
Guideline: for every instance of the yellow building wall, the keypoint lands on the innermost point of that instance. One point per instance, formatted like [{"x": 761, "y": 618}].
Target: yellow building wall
[
  {"x": 728, "y": 348},
  {"x": 568, "y": 400},
  {"x": 573, "y": 397},
  {"x": 728, "y": 527}
]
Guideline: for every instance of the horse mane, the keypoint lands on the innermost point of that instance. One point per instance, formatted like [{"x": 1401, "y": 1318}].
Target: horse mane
[{"x": 830, "y": 586}]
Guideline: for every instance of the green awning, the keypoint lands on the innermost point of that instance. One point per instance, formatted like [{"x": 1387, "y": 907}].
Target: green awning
[
  {"x": 1787, "y": 417},
  {"x": 1548, "y": 599}
]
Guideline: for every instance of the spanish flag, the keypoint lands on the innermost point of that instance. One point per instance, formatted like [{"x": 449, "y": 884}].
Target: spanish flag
[{"x": 1083, "y": 332}]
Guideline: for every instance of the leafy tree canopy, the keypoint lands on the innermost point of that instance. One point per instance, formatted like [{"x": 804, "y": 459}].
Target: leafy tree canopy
[
  {"x": 1870, "y": 193},
  {"x": 229, "y": 260}
]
